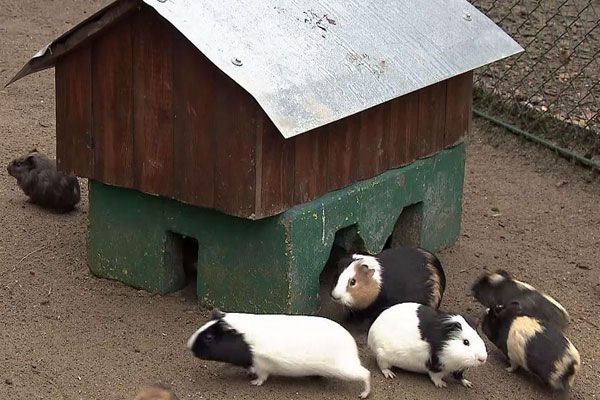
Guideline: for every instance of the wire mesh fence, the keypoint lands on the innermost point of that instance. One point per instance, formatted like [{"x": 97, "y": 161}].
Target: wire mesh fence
[{"x": 553, "y": 88}]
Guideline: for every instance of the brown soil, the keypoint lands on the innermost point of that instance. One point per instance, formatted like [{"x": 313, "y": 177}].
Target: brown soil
[{"x": 65, "y": 334}]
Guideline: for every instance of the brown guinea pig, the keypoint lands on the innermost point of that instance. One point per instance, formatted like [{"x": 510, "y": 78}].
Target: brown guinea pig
[
  {"x": 41, "y": 181},
  {"x": 156, "y": 393}
]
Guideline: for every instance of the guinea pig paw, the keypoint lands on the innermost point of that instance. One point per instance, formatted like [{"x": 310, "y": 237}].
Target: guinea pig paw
[
  {"x": 257, "y": 382},
  {"x": 438, "y": 381},
  {"x": 466, "y": 383},
  {"x": 388, "y": 373},
  {"x": 512, "y": 368},
  {"x": 364, "y": 394}
]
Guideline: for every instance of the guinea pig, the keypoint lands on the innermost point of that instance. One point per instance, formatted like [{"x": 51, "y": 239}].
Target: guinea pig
[
  {"x": 533, "y": 344},
  {"x": 417, "y": 338},
  {"x": 275, "y": 344},
  {"x": 41, "y": 181},
  {"x": 156, "y": 393},
  {"x": 500, "y": 288},
  {"x": 367, "y": 285}
]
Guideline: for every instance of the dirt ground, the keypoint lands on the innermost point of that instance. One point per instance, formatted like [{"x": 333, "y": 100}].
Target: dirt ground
[{"x": 65, "y": 334}]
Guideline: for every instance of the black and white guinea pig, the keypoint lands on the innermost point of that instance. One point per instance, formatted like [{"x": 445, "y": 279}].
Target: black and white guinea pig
[
  {"x": 417, "y": 338},
  {"x": 367, "y": 285},
  {"x": 274, "y": 344},
  {"x": 500, "y": 288},
  {"x": 43, "y": 183},
  {"x": 533, "y": 344}
]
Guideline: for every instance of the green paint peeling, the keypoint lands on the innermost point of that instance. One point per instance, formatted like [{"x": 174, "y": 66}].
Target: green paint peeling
[{"x": 272, "y": 264}]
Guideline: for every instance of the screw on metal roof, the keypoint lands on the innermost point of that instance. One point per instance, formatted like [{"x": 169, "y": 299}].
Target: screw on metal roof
[
  {"x": 467, "y": 16},
  {"x": 236, "y": 61}
]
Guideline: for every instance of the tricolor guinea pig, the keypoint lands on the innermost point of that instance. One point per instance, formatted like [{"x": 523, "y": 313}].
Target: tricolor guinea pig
[
  {"x": 417, "y": 338},
  {"x": 500, "y": 288},
  {"x": 367, "y": 285},
  {"x": 274, "y": 344},
  {"x": 41, "y": 181},
  {"x": 533, "y": 344}
]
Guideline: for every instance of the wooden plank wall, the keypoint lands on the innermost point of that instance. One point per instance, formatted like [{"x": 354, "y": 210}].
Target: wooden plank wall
[
  {"x": 140, "y": 107},
  {"x": 459, "y": 108},
  {"x": 74, "y": 136},
  {"x": 192, "y": 115},
  {"x": 152, "y": 103},
  {"x": 112, "y": 105},
  {"x": 233, "y": 126}
]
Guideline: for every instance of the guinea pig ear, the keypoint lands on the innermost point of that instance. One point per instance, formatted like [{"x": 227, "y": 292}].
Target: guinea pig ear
[
  {"x": 30, "y": 160},
  {"x": 452, "y": 326},
  {"x": 217, "y": 314},
  {"x": 471, "y": 321},
  {"x": 368, "y": 270},
  {"x": 503, "y": 273},
  {"x": 476, "y": 283},
  {"x": 515, "y": 305}
]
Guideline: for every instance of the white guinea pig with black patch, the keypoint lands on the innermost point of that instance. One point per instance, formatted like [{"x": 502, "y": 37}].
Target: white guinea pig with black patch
[
  {"x": 417, "y": 338},
  {"x": 533, "y": 344},
  {"x": 500, "y": 288},
  {"x": 274, "y": 344},
  {"x": 367, "y": 285}
]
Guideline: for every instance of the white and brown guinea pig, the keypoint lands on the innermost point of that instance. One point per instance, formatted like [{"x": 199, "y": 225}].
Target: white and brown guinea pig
[
  {"x": 43, "y": 183},
  {"x": 367, "y": 285},
  {"x": 417, "y": 338},
  {"x": 275, "y": 344},
  {"x": 500, "y": 288},
  {"x": 533, "y": 344}
]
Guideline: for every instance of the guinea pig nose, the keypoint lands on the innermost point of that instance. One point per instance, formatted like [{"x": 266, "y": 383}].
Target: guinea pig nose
[{"x": 482, "y": 359}]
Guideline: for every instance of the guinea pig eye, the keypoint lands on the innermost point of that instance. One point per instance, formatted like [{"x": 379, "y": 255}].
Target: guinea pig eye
[
  {"x": 209, "y": 337},
  {"x": 466, "y": 342},
  {"x": 352, "y": 282}
]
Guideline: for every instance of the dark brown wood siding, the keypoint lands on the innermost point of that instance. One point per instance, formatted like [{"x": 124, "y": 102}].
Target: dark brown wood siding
[
  {"x": 459, "y": 108},
  {"x": 342, "y": 151},
  {"x": 402, "y": 121},
  {"x": 140, "y": 107},
  {"x": 233, "y": 124},
  {"x": 275, "y": 188},
  {"x": 112, "y": 106},
  {"x": 193, "y": 112},
  {"x": 74, "y": 140},
  {"x": 432, "y": 119},
  {"x": 310, "y": 165},
  {"x": 152, "y": 103}
]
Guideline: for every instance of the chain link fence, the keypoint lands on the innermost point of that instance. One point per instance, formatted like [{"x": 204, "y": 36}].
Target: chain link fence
[{"x": 553, "y": 88}]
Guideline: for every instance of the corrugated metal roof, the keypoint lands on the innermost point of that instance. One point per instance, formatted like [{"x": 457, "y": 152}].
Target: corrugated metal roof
[{"x": 312, "y": 62}]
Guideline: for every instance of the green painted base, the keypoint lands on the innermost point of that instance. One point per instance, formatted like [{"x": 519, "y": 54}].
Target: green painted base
[{"x": 272, "y": 264}]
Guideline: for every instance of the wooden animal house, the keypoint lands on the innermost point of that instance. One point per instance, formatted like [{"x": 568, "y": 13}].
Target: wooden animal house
[{"x": 261, "y": 129}]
